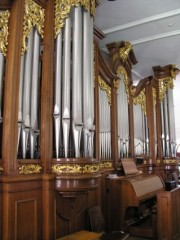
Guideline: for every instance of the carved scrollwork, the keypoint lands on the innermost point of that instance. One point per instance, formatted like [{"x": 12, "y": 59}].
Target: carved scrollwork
[
  {"x": 106, "y": 88},
  {"x": 33, "y": 17},
  {"x": 4, "y": 18},
  {"x": 124, "y": 51},
  {"x": 141, "y": 99},
  {"x": 106, "y": 164},
  {"x": 122, "y": 74},
  {"x": 164, "y": 84},
  {"x": 30, "y": 169},
  {"x": 63, "y": 8},
  {"x": 91, "y": 168},
  {"x": 66, "y": 168}
]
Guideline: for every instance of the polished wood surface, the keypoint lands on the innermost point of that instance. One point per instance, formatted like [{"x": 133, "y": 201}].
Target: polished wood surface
[
  {"x": 82, "y": 235},
  {"x": 168, "y": 214}
]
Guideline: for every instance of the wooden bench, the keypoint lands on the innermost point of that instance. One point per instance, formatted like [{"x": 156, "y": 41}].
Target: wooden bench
[{"x": 82, "y": 235}]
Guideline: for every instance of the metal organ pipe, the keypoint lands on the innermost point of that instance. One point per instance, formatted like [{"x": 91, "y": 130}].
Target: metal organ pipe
[
  {"x": 66, "y": 84},
  {"x": 34, "y": 131},
  {"x": 26, "y": 95},
  {"x": 57, "y": 94},
  {"x": 88, "y": 115},
  {"x": 77, "y": 79},
  {"x": 20, "y": 117}
]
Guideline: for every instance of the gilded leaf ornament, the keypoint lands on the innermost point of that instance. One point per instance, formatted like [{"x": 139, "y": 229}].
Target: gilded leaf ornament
[
  {"x": 164, "y": 84},
  {"x": 122, "y": 74},
  {"x": 103, "y": 85},
  {"x": 4, "y": 18},
  {"x": 141, "y": 99},
  {"x": 63, "y": 8},
  {"x": 34, "y": 16},
  {"x": 30, "y": 169},
  {"x": 124, "y": 51}
]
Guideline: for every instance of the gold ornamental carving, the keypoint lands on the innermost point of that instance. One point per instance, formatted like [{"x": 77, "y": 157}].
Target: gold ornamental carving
[
  {"x": 104, "y": 86},
  {"x": 164, "y": 84},
  {"x": 154, "y": 96},
  {"x": 30, "y": 169},
  {"x": 106, "y": 164},
  {"x": 141, "y": 99},
  {"x": 63, "y": 8},
  {"x": 124, "y": 51},
  {"x": 122, "y": 74},
  {"x": 75, "y": 168},
  {"x": 66, "y": 168},
  {"x": 91, "y": 168},
  {"x": 171, "y": 161},
  {"x": 4, "y": 18},
  {"x": 34, "y": 16}
]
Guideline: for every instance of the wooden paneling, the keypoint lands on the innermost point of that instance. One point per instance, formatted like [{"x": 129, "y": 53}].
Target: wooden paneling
[
  {"x": 168, "y": 214},
  {"x": 22, "y": 201}
]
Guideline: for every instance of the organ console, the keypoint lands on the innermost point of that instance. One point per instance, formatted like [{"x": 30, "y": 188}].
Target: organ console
[{"x": 131, "y": 201}]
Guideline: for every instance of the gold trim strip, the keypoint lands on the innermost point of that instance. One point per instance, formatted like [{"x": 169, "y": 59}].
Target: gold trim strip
[
  {"x": 75, "y": 168},
  {"x": 63, "y": 8},
  {"x": 4, "y": 19},
  {"x": 34, "y": 16},
  {"x": 105, "y": 87},
  {"x": 30, "y": 169}
]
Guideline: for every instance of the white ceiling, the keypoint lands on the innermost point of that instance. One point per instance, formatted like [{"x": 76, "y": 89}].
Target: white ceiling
[{"x": 152, "y": 26}]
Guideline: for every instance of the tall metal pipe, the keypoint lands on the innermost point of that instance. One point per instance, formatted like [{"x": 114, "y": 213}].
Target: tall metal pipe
[
  {"x": 26, "y": 95},
  {"x": 35, "y": 84},
  {"x": 57, "y": 93},
  {"x": 66, "y": 84},
  {"x": 77, "y": 79}
]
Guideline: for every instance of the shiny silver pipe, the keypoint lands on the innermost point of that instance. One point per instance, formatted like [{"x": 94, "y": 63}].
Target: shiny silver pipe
[
  {"x": 57, "y": 93},
  {"x": 1, "y": 82},
  {"x": 166, "y": 124},
  {"x": 20, "y": 114},
  {"x": 66, "y": 84},
  {"x": 162, "y": 129},
  {"x": 77, "y": 79},
  {"x": 88, "y": 119},
  {"x": 26, "y": 95},
  {"x": 35, "y": 85}
]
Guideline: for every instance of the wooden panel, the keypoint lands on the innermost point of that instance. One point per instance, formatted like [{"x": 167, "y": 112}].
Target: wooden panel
[
  {"x": 26, "y": 219},
  {"x": 22, "y": 206},
  {"x": 168, "y": 214},
  {"x": 0, "y": 210}
]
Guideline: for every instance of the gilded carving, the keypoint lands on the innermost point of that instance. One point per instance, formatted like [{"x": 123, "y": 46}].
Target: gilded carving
[
  {"x": 106, "y": 164},
  {"x": 106, "y": 88},
  {"x": 154, "y": 96},
  {"x": 4, "y": 18},
  {"x": 66, "y": 168},
  {"x": 75, "y": 168},
  {"x": 124, "y": 51},
  {"x": 164, "y": 84},
  {"x": 63, "y": 8},
  {"x": 30, "y": 169},
  {"x": 33, "y": 17},
  {"x": 91, "y": 168},
  {"x": 122, "y": 74},
  {"x": 141, "y": 99},
  {"x": 171, "y": 161}
]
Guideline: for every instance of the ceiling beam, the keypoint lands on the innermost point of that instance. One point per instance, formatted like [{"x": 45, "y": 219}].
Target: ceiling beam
[{"x": 142, "y": 21}]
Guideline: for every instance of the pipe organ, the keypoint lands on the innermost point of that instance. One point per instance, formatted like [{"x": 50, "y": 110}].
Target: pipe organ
[
  {"x": 68, "y": 115},
  {"x": 104, "y": 120},
  {"x": 123, "y": 117},
  {"x": 74, "y": 83}
]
